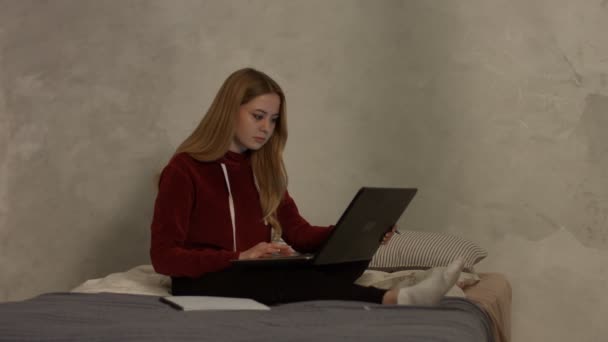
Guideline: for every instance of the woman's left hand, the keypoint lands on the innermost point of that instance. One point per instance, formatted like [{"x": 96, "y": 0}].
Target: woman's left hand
[{"x": 389, "y": 235}]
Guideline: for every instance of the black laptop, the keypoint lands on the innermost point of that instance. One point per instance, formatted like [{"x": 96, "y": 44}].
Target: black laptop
[{"x": 358, "y": 233}]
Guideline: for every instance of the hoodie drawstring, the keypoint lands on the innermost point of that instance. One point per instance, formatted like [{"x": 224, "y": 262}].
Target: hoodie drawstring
[{"x": 231, "y": 206}]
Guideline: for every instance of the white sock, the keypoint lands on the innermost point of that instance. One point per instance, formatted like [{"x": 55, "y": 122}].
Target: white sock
[{"x": 430, "y": 291}]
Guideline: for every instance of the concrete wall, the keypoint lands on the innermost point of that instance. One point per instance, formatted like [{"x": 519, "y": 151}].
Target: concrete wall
[{"x": 497, "y": 110}]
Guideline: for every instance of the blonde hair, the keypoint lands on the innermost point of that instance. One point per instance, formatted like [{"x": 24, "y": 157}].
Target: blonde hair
[{"x": 212, "y": 138}]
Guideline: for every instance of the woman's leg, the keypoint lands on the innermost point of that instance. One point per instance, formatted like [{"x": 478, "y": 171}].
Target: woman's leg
[
  {"x": 429, "y": 291},
  {"x": 349, "y": 271},
  {"x": 291, "y": 284},
  {"x": 273, "y": 285}
]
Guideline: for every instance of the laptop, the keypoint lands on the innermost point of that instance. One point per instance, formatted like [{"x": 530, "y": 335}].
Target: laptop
[{"x": 359, "y": 232}]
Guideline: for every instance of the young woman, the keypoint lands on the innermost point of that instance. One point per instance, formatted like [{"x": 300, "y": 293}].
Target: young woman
[{"x": 223, "y": 196}]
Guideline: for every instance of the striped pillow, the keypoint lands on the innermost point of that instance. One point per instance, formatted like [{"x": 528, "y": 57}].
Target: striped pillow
[{"x": 422, "y": 250}]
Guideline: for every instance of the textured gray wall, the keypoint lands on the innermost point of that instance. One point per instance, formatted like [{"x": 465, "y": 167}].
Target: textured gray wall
[{"x": 497, "y": 110}]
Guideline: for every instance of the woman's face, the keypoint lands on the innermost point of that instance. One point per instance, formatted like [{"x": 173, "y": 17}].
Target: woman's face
[{"x": 255, "y": 122}]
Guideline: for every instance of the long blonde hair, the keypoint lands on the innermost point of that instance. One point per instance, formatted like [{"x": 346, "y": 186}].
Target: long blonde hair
[{"x": 214, "y": 134}]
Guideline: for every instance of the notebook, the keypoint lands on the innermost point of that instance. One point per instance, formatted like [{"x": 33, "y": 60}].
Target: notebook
[
  {"x": 358, "y": 233},
  {"x": 189, "y": 303}
]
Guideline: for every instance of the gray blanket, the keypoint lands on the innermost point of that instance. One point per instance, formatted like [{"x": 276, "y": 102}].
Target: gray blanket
[{"x": 122, "y": 317}]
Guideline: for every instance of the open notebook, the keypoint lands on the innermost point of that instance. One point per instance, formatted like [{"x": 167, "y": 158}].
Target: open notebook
[{"x": 189, "y": 303}]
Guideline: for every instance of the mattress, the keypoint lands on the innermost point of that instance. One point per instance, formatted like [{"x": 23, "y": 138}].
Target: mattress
[
  {"x": 493, "y": 294},
  {"x": 120, "y": 317}
]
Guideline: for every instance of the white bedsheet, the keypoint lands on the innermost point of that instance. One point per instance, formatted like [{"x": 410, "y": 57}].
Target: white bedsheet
[
  {"x": 138, "y": 280},
  {"x": 144, "y": 281}
]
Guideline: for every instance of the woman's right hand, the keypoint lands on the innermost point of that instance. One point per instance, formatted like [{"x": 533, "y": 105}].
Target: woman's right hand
[{"x": 266, "y": 249}]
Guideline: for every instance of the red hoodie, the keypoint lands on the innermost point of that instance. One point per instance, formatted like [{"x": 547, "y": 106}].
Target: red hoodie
[{"x": 192, "y": 229}]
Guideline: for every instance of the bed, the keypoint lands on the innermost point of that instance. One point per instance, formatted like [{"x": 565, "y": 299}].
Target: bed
[{"x": 122, "y": 307}]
